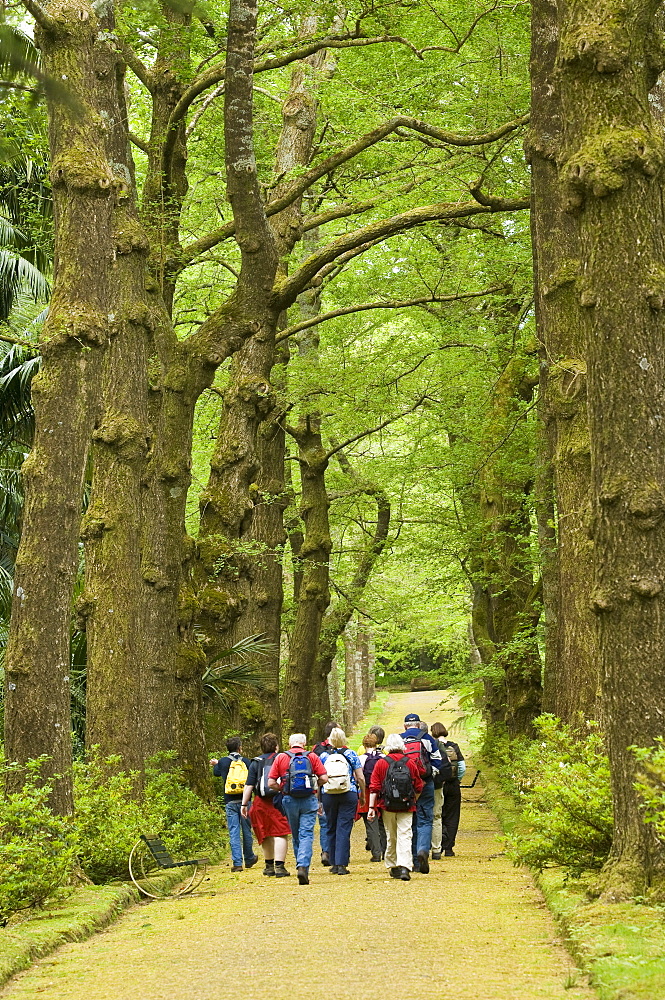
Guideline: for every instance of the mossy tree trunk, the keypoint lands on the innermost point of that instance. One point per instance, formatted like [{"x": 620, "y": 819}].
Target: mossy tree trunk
[
  {"x": 571, "y": 680},
  {"x": 513, "y": 604},
  {"x": 314, "y": 595},
  {"x": 242, "y": 532},
  {"x": 339, "y": 614},
  {"x": 74, "y": 340},
  {"x": 612, "y": 174}
]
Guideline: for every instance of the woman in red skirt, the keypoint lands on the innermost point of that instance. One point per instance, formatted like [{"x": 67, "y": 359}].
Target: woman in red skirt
[{"x": 270, "y": 825}]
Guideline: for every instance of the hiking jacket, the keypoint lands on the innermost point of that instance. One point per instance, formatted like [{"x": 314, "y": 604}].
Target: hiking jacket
[{"x": 379, "y": 776}]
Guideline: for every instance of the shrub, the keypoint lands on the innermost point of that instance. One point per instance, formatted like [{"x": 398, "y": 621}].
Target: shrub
[
  {"x": 109, "y": 819},
  {"x": 563, "y": 783},
  {"x": 37, "y": 850},
  {"x": 651, "y": 785},
  {"x": 189, "y": 825}
]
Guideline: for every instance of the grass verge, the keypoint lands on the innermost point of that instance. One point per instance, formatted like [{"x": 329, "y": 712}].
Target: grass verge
[
  {"x": 620, "y": 947},
  {"x": 76, "y": 917}
]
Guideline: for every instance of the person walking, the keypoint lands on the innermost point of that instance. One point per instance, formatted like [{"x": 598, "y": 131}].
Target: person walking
[
  {"x": 394, "y": 788},
  {"x": 324, "y": 747},
  {"x": 424, "y": 751},
  {"x": 270, "y": 825},
  {"x": 447, "y": 800},
  {"x": 341, "y": 795},
  {"x": 233, "y": 770},
  {"x": 298, "y": 775},
  {"x": 375, "y": 833}
]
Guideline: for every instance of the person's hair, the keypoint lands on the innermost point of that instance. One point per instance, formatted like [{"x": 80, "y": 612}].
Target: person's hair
[
  {"x": 394, "y": 742},
  {"x": 233, "y": 744},
  {"x": 423, "y": 726},
  {"x": 379, "y": 733},
  {"x": 438, "y": 730},
  {"x": 328, "y": 728},
  {"x": 269, "y": 742},
  {"x": 370, "y": 740},
  {"x": 338, "y": 737},
  {"x": 297, "y": 740}
]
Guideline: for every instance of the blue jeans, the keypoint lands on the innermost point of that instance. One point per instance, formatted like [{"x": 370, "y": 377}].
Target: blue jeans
[
  {"x": 239, "y": 826},
  {"x": 340, "y": 813},
  {"x": 301, "y": 814},
  {"x": 323, "y": 833},
  {"x": 423, "y": 818}
]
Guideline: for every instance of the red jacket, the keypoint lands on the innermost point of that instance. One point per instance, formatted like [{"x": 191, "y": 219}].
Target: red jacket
[{"x": 380, "y": 771}]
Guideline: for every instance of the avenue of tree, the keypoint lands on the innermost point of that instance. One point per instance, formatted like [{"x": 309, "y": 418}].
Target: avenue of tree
[{"x": 355, "y": 337}]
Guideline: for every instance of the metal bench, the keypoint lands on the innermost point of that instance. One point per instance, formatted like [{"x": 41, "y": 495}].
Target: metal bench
[
  {"x": 472, "y": 783},
  {"x": 149, "y": 859}
]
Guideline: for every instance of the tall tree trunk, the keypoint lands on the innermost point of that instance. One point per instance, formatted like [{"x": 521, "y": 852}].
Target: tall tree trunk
[
  {"x": 242, "y": 509},
  {"x": 613, "y": 177},
  {"x": 111, "y": 601},
  {"x": 315, "y": 562},
  {"x": 339, "y": 614},
  {"x": 335, "y": 694},
  {"x": 66, "y": 396},
  {"x": 349, "y": 680},
  {"x": 571, "y": 660}
]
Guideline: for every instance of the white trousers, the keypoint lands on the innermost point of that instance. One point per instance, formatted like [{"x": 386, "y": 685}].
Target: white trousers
[
  {"x": 398, "y": 836},
  {"x": 437, "y": 825}
]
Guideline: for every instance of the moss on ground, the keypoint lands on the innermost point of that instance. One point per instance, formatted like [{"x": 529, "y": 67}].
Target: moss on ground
[
  {"x": 474, "y": 928},
  {"x": 620, "y": 946}
]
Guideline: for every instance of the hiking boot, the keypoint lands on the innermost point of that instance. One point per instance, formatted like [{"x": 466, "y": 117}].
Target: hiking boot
[
  {"x": 436, "y": 855},
  {"x": 395, "y": 872},
  {"x": 404, "y": 874},
  {"x": 423, "y": 862},
  {"x": 449, "y": 852},
  {"x": 236, "y": 868},
  {"x": 280, "y": 870},
  {"x": 343, "y": 870},
  {"x": 269, "y": 868},
  {"x": 325, "y": 860},
  {"x": 303, "y": 875},
  {"x": 252, "y": 861},
  {"x": 333, "y": 870},
  {"x": 376, "y": 857}
]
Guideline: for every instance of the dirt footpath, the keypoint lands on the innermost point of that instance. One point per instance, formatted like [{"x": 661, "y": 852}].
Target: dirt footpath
[{"x": 475, "y": 928}]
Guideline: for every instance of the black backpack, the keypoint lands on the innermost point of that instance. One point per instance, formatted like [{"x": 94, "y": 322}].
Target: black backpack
[
  {"x": 262, "y": 789},
  {"x": 446, "y": 771},
  {"x": 371, "y": 761},
  {"x": 398, "y": 792}
]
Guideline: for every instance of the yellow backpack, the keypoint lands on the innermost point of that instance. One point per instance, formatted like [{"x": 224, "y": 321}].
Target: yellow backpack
[{"x": 236, "y": 779}]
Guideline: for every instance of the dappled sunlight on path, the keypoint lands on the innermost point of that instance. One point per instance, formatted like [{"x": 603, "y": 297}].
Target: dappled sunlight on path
[{"x": 475, "y": 928}]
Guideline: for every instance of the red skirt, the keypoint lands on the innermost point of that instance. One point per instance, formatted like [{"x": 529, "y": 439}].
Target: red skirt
[{"x": 267, "y": 821}]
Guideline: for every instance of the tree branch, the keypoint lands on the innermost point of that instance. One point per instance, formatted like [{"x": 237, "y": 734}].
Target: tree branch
[
  {"x": 290, "y": 287},
  {"x": 44, "y": 20},
  {"x": 372, "y": 430},
  {"x": 8, "y": 339},
  {"x": 386, "y": 304},
  {"x": 139, "y": 143},
  {"x": 137, "y": 66}
]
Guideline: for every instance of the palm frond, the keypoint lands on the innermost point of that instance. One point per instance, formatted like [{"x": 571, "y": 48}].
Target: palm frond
[
  {"x": 19, "y": 61},
  {"x": 16, "y": 273},
  {"x": 245, "y": 649},
  {"x": 17, "y": 369}
]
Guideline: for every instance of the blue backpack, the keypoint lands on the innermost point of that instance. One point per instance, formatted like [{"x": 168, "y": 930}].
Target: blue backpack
[{"x": 300, "y": 780}]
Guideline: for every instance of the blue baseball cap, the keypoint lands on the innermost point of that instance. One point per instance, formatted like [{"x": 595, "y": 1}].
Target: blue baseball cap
[{"x": 412, "y": 717}]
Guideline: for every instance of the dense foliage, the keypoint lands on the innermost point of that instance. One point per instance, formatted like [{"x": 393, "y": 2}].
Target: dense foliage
[
  {"x": 561, "y": 782},
  {"x": 41, "y": 853}
]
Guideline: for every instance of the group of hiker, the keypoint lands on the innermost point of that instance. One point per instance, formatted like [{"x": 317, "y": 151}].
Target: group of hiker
[{"x": 406, "y": 789}]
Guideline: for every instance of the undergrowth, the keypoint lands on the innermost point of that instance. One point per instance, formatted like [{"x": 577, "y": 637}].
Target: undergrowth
[
  {"x": 40, "y": 852},
  {"x": 561, "y": 782}
]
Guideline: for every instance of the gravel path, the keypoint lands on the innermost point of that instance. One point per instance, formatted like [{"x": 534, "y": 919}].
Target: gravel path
[{"x": 475, "y": 928}]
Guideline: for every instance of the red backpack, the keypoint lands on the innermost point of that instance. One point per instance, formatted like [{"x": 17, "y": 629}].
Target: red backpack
[{"x": 415, "y": 751}]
